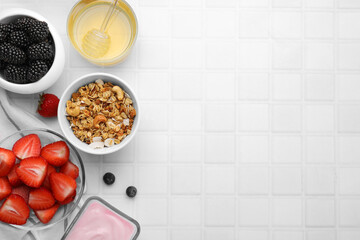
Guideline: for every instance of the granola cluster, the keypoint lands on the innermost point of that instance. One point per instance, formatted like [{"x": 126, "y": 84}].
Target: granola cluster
[{"x": 100, "y": 114}]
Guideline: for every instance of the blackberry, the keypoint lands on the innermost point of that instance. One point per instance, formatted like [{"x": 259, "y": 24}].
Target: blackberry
[
  {"x": 131, "y": 191},
  {"x": 2, "y": 65},
  {"x": 23, "y": 23},
  {"x": 36, "y": 70},
  {"x": 4, "y": 32},
  {"x": 40, "y": 51},
  {"x": 49, "y": 62},
  {"x": 12, "y": 54},
  {"x": 19, "y": 39},
  {"x": 38, "y": 31},
  {"x": 15, "y": 74}
]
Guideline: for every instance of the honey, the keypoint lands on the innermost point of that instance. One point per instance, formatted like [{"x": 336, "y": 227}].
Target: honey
[{"x": 87, "y": 15}]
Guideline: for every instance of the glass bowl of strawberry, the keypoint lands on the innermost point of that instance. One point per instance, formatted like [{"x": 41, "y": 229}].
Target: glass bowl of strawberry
[{"x": 42, "y": 179}]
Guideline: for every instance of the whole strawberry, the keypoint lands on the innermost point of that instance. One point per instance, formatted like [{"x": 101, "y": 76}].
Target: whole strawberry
[{"x": 48, "y": 105}]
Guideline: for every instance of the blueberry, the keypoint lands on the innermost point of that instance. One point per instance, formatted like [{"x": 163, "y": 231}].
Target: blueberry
[
  {"x": 131, "y": 191},
  {"x": 109, "y": 178}
]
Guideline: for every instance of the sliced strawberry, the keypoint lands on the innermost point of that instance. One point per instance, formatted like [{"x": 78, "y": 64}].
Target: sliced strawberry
[
  {"x": 7, "y": 161},
  {"x": 62, "y": 186},
  {"x": 68, "y": 199},
  {"x": 28, "y": 146},
  {"x": 5, "y": 188},
  {"x": 14, "y": 210},
  {"x": 46, "y": 182},
  {"x": 13, "y": 177},
  {"x": 57, "y": 153},
  {"x": 41, "y": 198},
  {"x": 47, "y": 214},
  {"x": 70, "y": 169},
  {"x": 32, "y": 171},
  {"x": 23, "y": 191}
]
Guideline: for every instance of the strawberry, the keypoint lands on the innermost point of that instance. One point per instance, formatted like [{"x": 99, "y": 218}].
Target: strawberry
[
  {"x": 14, "y": 210},
  {"x": 68, "y": 199},
  {"x": 62, "y": 186},
  {"x": 70, "y": 169},
  {"x": 23, "y": 191},
  {"x": 48, "y": 105},
  {"x": 13, "y": 177},
  {"x": 56, "y": 154},
  {"x": 28, "y": 146},
  {"x": 5, "y": 188},
  {"x": 47, "y": 214},
  {"x": 7, "y": 161},
  {"x": 46, "y": 182},
  {"x": 32, "y": 171},
  {"x": 41, "y": 198}
]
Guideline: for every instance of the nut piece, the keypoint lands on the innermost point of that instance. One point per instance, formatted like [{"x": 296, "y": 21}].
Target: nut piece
[
  {"x": 99, "y": 119},
  {"x": 119, "y": 92},
  {"x": 72, "y": 109}
]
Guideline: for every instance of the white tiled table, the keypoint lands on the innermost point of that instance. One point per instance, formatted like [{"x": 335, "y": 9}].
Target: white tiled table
[{"x": 251, "y": 118}]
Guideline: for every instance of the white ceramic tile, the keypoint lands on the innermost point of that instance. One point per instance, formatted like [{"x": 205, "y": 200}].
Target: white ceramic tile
[
  {"x": 286, "y": 86},
  {"x": 220, "y": 23},
  {"x": 286, "y": 24},
  {"x": 253, "y": 117},
  {"x": 186, "y": 85},
  {"x": 321, "y": 234},
  {"x": 148, "y": 233},
  {"x": 253, "y": 149},
  {"x": 185, "y": 233},
  {"x": 152, "y": 211},
  {"x": 253, "y": 234},
  {"x": 286, "y": 118},
  {"x": 349, "y": 181},
  {"x": 288, "y": 235},
  {"x": 156, "y": 3},
  {"x": 219, "y": 179},
  {"x": 158, "y": 81},
  {"x": 286, "y": 149},
  {"x": 153, "y": 22},
  {"x": 320, "y": 212},
  {"x": 286, "y": 180},
  {"x": 319, "y": 87},
  {"x": 320, "y": 149},
  {"x": 155, "y": 117},
  {"x": 319, "y": 118},
  {"x": 219, "y": 148},
  {"x": 253, "y": 180},
  {"x": 253, "y": 86},
  {"x": 349, "y": 212},
  {"x": 349, "y": 235},
  {"x": 348, "y": 148},
  {"x": 219, "y": 233},
  {"x": 349, "y": 58},
  {"x": 92, "y": 184},
  {"x": 151, "y": 148},
  {"x": 253, "y": 55},
  {"x": 220, "y": 86},
  {"x": 319, "y": 24},
  {"x": 319, "y": 56},
  {"x": 349, "y": 25},
  {"x": 187, "y": 24},
  {"x": 320, "y": 181},
  {"x": 187, "y": 54},
  {"x": 153, "y": 54},
  {"x": 186, "y": 117},
  {"x": 186, "y": 211},
  {"x": 186, "y": 148},
  {"x": 287, "y": 55},
  {"x": 152, "y": 179},
  {"x": 254, "y": 3},
  {"x": 349, "y": 4},
  {"x": 253, "y": 212},
  {"x": 187, "y": 3},
  {"x": 287, "y": 212},
  {"x": 186, "y": 179},
  {"x": 220, "y": 54},
  {"x": 220, "y": 117},
  {"x": 124, "y": 177},
  {"x": 347, "y": 85},
  {"x": 287, "y": 3},
  {"x": 349, "y": 118},
  {"x": 219, "y": 211},
  {"x": 253, "y": 24},
  {"x": 319, "y": 3},
  {"x": 225, "y": 3}
]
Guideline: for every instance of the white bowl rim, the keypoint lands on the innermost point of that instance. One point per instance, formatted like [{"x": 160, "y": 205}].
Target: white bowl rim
[
  {"x": 63, "y": 122},
  {"x": 59, "y": 60}
]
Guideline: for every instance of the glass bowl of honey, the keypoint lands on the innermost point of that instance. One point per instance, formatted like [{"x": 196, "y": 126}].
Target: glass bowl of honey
[{"x": 122, "y": 30}]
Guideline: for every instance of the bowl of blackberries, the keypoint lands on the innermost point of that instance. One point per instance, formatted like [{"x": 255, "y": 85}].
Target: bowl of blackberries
[{"x": 32, "y": 55}]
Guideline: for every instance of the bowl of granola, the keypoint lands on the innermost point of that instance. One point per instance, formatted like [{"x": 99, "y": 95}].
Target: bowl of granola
[{"x": 99, "y": 113}]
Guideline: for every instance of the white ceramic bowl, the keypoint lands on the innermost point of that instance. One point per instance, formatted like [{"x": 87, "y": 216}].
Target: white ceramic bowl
[
  {"x": 57, "y": 67},
  {"x": 65, "y": 125}
]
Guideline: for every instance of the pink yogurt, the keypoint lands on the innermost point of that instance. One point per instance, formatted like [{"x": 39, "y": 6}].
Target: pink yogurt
[{"x": 99, "y": 222}]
